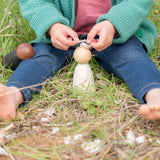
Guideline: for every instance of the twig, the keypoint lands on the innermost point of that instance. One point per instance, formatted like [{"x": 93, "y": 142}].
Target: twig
[
  {"x": 5, "y": 13},
  {"x": 2, "y": 133},
  {"x": 8, "y": 26},
  {"x": 10, "y": 155},
  {"x": 10, "y": 35},
  {"x": 147, "y": 154},
  {"x": 28, "y": 87},
  {"x": 62, "y": 100},
  {"x": 106, "y": 152},
  {"x": 126, "y": 124}
]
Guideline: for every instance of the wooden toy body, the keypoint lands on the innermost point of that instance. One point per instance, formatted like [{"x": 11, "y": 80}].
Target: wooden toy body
[{"x": 83, "y": 77}]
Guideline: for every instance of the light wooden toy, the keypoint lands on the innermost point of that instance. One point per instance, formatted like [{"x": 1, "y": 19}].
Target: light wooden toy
[{"x": 83, "y": 76}]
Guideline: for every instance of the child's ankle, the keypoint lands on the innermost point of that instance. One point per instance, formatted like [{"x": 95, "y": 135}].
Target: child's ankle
[
  {"x": 19, "y": 98},
  {"x": 152, "y": 94}
]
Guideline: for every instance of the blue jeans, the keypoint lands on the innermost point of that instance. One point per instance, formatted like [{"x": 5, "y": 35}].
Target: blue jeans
[{"x": 128, "y": 61}]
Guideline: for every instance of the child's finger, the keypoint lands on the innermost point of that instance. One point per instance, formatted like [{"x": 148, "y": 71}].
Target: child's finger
[
  {"x": 72, "y": 34},
  {"x": 59, "y": 45},
  {"x": 63, "y": 42},
  {"x": 91, "y": 35},
  {"x": 68, "y": 41}
]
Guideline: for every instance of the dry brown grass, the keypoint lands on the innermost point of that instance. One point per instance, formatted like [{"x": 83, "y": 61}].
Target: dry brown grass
[{"x": 108, "y": 115}]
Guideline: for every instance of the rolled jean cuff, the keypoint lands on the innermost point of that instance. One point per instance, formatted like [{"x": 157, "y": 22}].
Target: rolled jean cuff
[
  {"x": 25, "y": 91},
  {"x": 144, "y": 90}
]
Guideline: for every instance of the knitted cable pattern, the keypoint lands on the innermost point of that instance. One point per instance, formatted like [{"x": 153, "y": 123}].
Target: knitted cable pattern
[{"x": 128, "y": 16}]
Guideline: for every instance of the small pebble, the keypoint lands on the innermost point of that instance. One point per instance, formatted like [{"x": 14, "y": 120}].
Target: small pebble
[
  {"x": 130, "y": 137},
  {"x": 44, "y": 119},
  {"x": 68, "y": 140},
  {"x": 140, "y": 139},
  {"x": 50, "y": 111},
  {"x": 78, "y": 137},
  {"x": 55, "y": 130},
  {"x": 68, "y": 124},
  {"x": 3, "y": 152},
  {"x": 158, "y": 141},
  {"x": 92, "y": 147}
]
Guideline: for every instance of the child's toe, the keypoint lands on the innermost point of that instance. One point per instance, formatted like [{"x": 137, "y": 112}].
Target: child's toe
[{"x": 144, "y": 109}]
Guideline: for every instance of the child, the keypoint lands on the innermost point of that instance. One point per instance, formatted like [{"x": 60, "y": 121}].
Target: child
[{"x": 124, "y": 37}]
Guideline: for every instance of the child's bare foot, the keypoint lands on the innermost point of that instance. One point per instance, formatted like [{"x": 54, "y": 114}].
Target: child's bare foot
[
  {"x": 10, "y": 98},
  {"x": 151, "y": 110}
]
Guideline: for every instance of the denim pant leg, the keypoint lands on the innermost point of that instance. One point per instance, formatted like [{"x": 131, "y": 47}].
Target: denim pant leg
[
  {"x": 46, "y": 62},
  {"x": 130, "y": 62}
]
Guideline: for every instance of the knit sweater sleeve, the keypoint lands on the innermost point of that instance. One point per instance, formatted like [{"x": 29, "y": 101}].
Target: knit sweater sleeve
[
  {"x": 127, "y": 16},
  {"x": 41, "y": 14}
]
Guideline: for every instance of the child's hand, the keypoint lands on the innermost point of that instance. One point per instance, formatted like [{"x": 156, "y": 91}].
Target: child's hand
[
  {"x": 106, "y": 31},
  {"x": 62, "y": 36}
]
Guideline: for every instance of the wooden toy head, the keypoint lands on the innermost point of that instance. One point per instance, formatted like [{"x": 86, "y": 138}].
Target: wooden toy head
[{"x": 82, "y": 54}]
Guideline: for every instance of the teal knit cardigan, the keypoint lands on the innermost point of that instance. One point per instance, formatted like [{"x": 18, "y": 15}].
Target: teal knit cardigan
[{"x": 128, "y": 17}]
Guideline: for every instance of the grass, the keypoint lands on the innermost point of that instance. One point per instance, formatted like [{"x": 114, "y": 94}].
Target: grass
[{"x": 108, "y": 115}]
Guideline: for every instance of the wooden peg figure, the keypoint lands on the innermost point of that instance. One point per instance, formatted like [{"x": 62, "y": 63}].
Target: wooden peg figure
[{"x": 83, "y": 76}]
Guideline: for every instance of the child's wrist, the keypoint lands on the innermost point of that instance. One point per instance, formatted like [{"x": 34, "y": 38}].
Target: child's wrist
[
  {"x": 47, "y": 34},
  {"x": 116, "y": 34}
]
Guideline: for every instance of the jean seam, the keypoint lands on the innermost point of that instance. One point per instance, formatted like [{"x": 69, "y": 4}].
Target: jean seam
[
  {"x": 146, "y": 87},
  {"x": 110, "y": 66}
]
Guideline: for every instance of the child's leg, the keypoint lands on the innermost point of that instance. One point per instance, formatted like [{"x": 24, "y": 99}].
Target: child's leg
[
  {"x": 130, "y": 62},
  {"x": 45, "y": 63}
]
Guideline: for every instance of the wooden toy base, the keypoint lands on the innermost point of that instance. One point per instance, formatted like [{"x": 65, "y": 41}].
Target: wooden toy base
[{"x": 83, "y": 77}]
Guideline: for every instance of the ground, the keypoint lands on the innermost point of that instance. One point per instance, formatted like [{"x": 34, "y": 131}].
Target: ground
[{"x": 62, "y": 123}]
